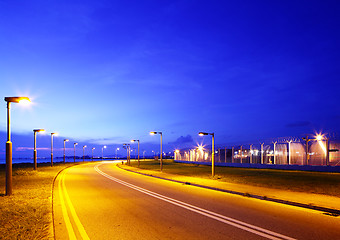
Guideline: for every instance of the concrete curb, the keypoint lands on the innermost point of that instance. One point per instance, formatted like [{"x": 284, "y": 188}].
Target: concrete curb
[{"x": 329, "y": 211}]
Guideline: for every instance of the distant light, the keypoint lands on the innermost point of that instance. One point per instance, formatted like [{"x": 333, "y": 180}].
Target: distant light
[
  {"x": 319, "y": 137},
  {"x": 200, "y": 148},
  {"x": 39, "y": 130},
  {"x": 152, "y": 133},
  {"x": 104, "y": 146}
]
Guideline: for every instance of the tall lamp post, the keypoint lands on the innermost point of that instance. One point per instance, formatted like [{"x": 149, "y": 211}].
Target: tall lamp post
[
  {"x": 84, "y": 152},
  {"x": 52, "y": 134},
  {"x": 127, "y": 146},
  {"x": 136, "y": 140},
  {"x": 212, "y": 151},
  {"x": 35, "y": 147},
  {"x": 65, "y": 140},
  {"x": 92, "y": 153},
  {"x": 103, "y": 152},
  {"x": 161, "y": 153},
  {"x": 9, "y": 100},
  {"x": 74, "y": 151}
]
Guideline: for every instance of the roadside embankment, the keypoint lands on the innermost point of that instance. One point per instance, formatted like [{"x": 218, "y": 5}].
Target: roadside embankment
[
  {"x": 315, "y": 190},
  {"x": 27, "y": 213}
]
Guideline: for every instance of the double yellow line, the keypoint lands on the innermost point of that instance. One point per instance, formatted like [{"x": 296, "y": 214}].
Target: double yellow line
[{"x": 66, "y": 204}]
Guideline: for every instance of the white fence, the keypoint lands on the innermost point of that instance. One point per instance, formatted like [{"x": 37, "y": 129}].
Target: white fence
[{"x": 286, "y": 153}]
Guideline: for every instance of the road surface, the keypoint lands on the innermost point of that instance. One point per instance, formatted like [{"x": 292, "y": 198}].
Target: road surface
[{"x": 101, "y": 201}]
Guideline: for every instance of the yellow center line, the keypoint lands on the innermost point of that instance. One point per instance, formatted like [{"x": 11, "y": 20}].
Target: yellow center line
[
  {"x": 79, "y": 226},
  {"x": 69, "y": 228}
]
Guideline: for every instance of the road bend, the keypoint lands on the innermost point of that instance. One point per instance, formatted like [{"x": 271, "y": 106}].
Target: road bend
[{"x": 101, "y": 201}]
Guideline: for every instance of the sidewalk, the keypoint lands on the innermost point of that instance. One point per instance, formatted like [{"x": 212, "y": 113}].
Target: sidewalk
[{"x": 319, "y": 202}]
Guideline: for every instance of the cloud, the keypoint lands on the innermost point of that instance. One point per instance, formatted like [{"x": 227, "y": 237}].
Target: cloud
[
  {"x": 105, "y": 141},
  {"x": 298, "y": 124},
  {"x": 183, "y": 140},
  {"x": 21, "y": 149}
]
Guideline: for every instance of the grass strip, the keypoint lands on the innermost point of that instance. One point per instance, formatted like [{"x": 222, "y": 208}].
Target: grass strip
[
  {"x": 27, "y": 213},
  {"x": 300, "y": 181}
]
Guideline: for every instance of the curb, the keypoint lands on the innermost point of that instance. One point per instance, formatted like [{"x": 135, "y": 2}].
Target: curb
[{"x": 329, "y": 211}]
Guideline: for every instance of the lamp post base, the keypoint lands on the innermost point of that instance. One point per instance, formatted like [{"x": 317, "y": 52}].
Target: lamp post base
[{"x": 8, "y": 168}]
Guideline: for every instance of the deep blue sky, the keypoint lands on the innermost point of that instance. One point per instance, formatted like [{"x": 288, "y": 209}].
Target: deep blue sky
[{"x": 104, "y": 72}]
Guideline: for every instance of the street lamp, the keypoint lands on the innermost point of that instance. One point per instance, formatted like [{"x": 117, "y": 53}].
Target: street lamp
[
  {"x": 319, "y": 138},
  {"x": 103, "y": 152},
  {"x": 176, "y": 153},
  {"x": 138, "y": 148},
  {"x": 74, "y": 150},
  {"x": 161, "y": 152},
  {"x": 92, "y": 153},
  {"x": 212, "y": 151},
  {"x": 35, "y": 146},
  {"x": 9, "y": 100},
  {"x": 52, "y": 134},
  {"x": 84, "y": 152},
  {"x": 127, "y": 146},
  {"x": 65, "y": 140}
]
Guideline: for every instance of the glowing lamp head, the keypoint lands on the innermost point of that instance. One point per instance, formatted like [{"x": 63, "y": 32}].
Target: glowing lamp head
[
  {"x": 23, "y": 100},
  {"x": 104, "y": 147},
  {"x": 200, "y": 148},
  {"x": 54, "y": 134},
  {"x": 66, "y": 140},
  {"x": 75, "y": 144},
  {"x": 202, "y": 133},
  {"x": 39, "y": 130},
  {"x": 93, "y": 148},
  {"x": 152, "y": 133},
  {"x": 176, "y": 151},
  {"x": 117, "y": 148},
  {"x": 84, "y": 146},
  {"x": 319, "y": 137}
]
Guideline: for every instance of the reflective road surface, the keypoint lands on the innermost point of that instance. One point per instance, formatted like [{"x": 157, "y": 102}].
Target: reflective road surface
[{"x": 100, "y": 201}]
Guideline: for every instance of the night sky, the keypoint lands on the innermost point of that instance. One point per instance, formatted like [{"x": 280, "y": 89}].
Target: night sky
[{"x": 104, "y": 72}]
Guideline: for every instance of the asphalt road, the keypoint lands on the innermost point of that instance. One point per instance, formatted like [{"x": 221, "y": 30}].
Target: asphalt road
[{"x": 101, "y": 201}]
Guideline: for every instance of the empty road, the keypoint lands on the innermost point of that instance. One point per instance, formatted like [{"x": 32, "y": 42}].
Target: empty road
[{"x": 100, "y": 201}]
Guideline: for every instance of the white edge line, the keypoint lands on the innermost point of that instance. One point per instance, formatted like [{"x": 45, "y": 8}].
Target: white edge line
[{"x": 236, "y": 223}]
